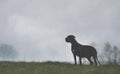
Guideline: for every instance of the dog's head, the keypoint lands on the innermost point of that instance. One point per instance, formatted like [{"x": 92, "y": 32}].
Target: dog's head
[{"x": 70, "y": 38}]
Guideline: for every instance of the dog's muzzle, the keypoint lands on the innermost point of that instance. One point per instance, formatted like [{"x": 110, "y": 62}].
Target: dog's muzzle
[{"x": 66, "y": 40}]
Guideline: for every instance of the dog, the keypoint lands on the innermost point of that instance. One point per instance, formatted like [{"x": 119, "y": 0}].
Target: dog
[{"x": 82, "y": 51}]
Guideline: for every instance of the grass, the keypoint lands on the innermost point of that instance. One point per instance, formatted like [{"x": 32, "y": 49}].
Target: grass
[{"x": 55, "y": 68}]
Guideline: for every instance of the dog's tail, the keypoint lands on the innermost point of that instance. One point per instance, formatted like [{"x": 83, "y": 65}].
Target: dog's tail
[{"x": 98, "y": 60}]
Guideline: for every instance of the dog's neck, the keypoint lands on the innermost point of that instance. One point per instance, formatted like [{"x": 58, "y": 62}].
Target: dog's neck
[{"x": 74, "y": 43}]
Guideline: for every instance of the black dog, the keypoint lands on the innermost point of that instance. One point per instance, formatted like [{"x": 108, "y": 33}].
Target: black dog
[{"x": 82, "y": 51}]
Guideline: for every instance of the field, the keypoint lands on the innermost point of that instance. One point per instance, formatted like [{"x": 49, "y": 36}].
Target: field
[{"x": 55, "y": 68}]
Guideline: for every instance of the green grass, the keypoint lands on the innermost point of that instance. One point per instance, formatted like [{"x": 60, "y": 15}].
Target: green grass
[{"x": 55, "y": 68}]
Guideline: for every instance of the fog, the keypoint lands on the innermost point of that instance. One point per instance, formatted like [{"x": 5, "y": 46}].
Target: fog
[{"x": 37, "y": 28}]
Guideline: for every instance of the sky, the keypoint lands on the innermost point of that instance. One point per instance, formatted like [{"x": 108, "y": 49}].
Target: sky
[{"x": 37, "y": 28}]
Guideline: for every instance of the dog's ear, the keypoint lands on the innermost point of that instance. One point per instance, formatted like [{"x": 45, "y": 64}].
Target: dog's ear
[{"x": 71, "y": 36}]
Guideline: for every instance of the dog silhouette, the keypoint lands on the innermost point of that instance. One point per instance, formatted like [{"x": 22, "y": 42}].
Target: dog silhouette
[{"x": 82, "y": 51}]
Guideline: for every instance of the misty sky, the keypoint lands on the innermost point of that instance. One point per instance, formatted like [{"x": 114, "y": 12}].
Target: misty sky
[{"x": 37, "y": 28}]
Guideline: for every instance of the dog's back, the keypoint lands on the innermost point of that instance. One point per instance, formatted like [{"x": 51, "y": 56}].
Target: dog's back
[{"x": 81, "y": 51}]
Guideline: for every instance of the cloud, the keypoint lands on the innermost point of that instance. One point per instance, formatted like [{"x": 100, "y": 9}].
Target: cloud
[{"x": 38, "y": 28}]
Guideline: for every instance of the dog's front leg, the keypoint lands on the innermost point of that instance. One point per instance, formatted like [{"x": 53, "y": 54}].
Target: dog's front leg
[
  {"x": 75, "y": 59},
  {"x": 80, "y": 60}
]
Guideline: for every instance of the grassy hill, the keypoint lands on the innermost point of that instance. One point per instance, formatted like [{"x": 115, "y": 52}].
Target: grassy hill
[{"x": 55, "y": 68}]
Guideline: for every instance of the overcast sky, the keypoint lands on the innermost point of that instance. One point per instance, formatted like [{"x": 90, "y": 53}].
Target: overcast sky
[{"x": 37, "y": 28}]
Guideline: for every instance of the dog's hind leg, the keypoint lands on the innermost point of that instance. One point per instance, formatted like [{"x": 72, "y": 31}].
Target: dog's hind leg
[
  {"x": 91, "y": 63},
  {"x": 95, "y": 60}
]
